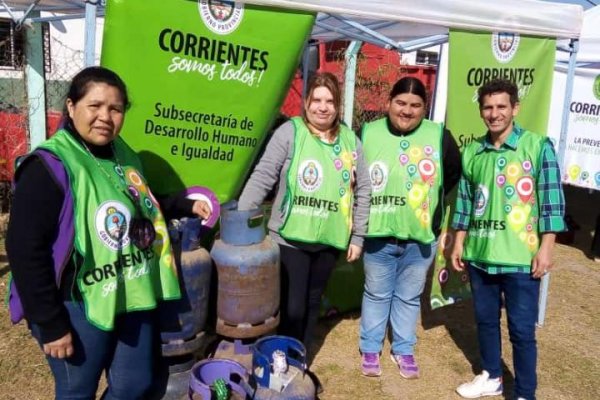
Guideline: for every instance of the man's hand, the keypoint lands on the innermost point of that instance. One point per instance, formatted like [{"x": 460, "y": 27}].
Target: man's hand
[
  {"x": 60, "y": 348},
  {"x": 542, "y": 261},
  {"x": 354, "y": 252},
  {"x": 457, "y": 251}
]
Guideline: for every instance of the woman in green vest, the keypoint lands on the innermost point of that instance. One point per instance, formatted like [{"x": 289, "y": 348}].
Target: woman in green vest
[
  {"x": 412, "y": 162},
  {"x": 89, "y": 249},
  {"x": 321, "y": 205}
]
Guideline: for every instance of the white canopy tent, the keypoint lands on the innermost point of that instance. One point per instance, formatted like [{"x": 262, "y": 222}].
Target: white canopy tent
[
  {"x": 564, "y": 127},
  {"x": 589, "y": 40},
  {"x": 522, "y": 16}
]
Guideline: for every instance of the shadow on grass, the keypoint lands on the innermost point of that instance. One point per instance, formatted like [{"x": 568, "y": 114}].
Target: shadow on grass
[
  {"x": 582, "y": 218},
  {"x": 459, "y": 321},
  {"x": 324, "y": 326},
  {"x": 4, "y": 269}
]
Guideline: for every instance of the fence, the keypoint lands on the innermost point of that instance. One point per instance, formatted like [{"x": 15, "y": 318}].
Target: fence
[
  {"x": 61, "y": 62},
  {"x": 377, "y": 70}
]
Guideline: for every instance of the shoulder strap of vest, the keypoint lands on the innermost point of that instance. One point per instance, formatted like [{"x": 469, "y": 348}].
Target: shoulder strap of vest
[{"x": 55, "y": 167}]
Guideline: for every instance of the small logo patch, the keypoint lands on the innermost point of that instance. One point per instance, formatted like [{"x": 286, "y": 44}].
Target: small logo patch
[
  {"x": 221, "y": 17},
  {"x": 505, "y": 45},
  {"x": 481, "y": 200},
  {"x": 378, "y": 172},
  {"x": 112, "y": 224},
  {"x": 596, "y": 87},
  {"x": 310, "y": 175}
]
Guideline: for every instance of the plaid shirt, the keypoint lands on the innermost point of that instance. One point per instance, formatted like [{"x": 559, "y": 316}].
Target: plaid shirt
[{"x": 549, "y": 190}]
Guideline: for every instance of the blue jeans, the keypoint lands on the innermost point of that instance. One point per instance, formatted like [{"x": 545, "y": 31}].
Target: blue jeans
[
  {"x": 521, "y": 294},
  {"x": 124, "y": 353},
  {"x": 395, "y": 274}
]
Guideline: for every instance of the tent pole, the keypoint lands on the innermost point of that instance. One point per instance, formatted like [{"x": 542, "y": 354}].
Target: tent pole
[
  {"x": 437, "y": 79},
  {"x": 305, "y": 69},
  {"x": 350, "y": 80},
  {"x": 562, "y": 145},
  {"x": 35, "y": 82},
  {"x": 90, "y": 33},
  {"x": 564, "y": 123}
]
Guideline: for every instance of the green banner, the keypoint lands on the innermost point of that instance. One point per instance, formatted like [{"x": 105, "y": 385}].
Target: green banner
[
  {"x": 474, "y": 59},
  {"x": 205, "y": 78}
]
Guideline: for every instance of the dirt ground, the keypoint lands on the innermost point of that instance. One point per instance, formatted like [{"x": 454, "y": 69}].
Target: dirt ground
[{"x": 569, "y": 341}]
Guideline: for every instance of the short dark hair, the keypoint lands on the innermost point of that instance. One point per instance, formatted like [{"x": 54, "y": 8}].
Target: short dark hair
[
  {"x": 80, "y": 84},
  {"x": 499, "y": 86},
  {"x": 411, "y": 85}
]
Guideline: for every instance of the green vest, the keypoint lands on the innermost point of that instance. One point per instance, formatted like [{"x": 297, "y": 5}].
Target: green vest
[
  {"x": 406, "y": 179},
  {"x": 503, "y": 226},
  {"x": 318, "y": 203},
  {"x": 115, "y": 276}
]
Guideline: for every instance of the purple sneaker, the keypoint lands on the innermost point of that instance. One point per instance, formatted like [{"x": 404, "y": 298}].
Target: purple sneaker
[
  {"x": 407, "y": 365},
  {"x": 370, "y": 364}
]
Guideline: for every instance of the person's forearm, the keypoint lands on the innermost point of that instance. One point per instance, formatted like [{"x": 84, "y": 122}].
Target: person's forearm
[{"x": 459, "y": 237}]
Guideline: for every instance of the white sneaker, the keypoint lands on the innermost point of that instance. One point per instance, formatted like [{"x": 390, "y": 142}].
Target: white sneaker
[{"x": 480, "y": 386}]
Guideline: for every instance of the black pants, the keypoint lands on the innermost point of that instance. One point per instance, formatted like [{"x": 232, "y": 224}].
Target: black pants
[{"x": 304, "y": 277}]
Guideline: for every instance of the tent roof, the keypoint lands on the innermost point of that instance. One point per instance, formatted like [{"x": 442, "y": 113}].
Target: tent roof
[
  {"x": 589, "y": 41},
  {"x": 407, "y": 19},
  {"x": 522, "y": 16},
  {"x": 59, "y": 6}
]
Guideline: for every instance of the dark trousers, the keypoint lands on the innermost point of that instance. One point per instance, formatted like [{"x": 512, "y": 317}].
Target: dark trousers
[
  {"x": 304, "y": 277},
  {"x": 521, "y": 293},
  {"x": 596, "y": 240}
]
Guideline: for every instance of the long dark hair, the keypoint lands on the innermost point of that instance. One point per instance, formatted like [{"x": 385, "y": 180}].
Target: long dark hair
[
  {"x": 80, "y": 85},
  {"x": 411, "y": 85}
]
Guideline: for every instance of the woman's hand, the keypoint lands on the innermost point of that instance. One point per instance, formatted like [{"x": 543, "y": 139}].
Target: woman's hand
[
  {"x": 354, "y": 253},
  {"x": 202, "y": 209},
  {"x": 60, "y": 348}
]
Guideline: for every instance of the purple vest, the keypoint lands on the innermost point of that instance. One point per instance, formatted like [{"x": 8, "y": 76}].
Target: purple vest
[{"x": 61, "y": 249}]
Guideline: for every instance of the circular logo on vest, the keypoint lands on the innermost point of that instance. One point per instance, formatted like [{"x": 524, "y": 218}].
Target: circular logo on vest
[
  {"x": 221, "y": 17},
  {"x": 310, "y": 175},
  {"x": 481, "y": 200},
  {"x": 112, "y": 224},
  {"x": 504, "y": 45},
  {"x": 596, "y": 87},
  {"x": 378, "y": 172}
]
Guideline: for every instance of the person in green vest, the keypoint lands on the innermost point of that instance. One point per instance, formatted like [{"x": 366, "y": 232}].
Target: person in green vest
[
  {"x": 321, "y": 205},
  {"x": 88, "y": 247},
  {"x": 412, "y": 163},
  {"x": 510, "y": 205}
]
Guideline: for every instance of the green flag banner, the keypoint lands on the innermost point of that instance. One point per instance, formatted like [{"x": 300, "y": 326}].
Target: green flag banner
[
  {"x": 205, "y": 78},
  {"x": 474, "y": 59}
]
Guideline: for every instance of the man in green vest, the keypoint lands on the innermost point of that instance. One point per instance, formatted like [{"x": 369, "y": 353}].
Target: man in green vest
[{"x": 510, "y": 205}]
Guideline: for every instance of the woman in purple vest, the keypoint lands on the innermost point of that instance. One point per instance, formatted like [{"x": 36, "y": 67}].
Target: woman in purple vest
[{"x": 45, "y": 263}]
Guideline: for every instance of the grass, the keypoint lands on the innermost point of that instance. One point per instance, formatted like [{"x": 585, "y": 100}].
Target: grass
[{"x": 569, "y": 342}]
